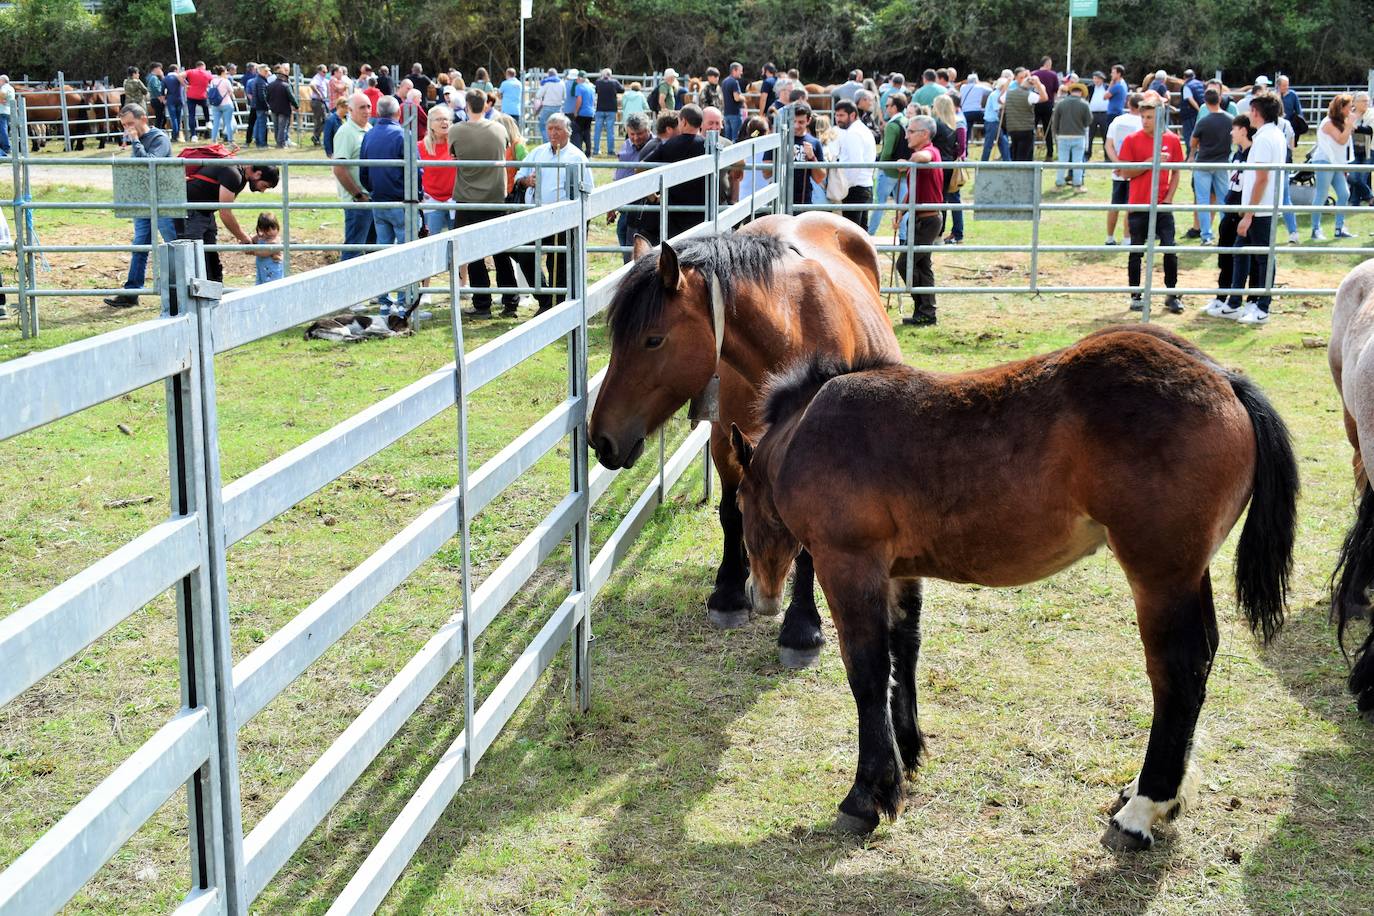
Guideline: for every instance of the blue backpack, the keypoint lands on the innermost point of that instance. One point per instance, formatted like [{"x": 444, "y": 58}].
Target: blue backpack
[{"x": 213, "y": 96}]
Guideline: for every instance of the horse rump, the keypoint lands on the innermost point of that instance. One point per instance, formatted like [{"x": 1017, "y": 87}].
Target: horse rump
[
  {"x": 1264, "y": 557},
  {"x": 1353, "y": 575}
]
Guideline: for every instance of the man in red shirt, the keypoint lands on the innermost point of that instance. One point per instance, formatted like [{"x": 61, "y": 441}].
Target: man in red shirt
[
  {"x": 1140, "y": 147},
  {"x": 927, "y": 187},
  {"x": 197, "y": 81}
]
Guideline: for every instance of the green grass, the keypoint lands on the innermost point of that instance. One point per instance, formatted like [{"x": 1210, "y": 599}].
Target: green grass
[{"x": 705, "y": 777}]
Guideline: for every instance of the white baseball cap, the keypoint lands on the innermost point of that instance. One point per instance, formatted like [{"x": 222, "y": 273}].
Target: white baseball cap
[
  {"x": 572, "y": 73},
  {"x": 1261, "y": 80},
  {"x": 669, "y": 73}
]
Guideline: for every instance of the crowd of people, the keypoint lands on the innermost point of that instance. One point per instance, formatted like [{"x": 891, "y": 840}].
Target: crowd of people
[{"x": 870, "y": 125}]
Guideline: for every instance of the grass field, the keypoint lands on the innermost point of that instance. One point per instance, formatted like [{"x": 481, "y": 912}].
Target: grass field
[{"x": 705, "y": 778}]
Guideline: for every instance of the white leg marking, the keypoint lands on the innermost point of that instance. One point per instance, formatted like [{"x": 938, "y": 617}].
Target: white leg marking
[{"x": 1140, "y": 814}]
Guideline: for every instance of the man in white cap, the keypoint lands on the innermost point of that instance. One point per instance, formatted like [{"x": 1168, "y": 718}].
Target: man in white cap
[
  {"x": 666, "y": 91},
  {"x": 1261, "y": 84},
  {"x": 548, "y": 100}
]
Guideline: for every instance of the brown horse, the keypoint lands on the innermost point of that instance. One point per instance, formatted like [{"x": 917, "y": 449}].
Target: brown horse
[
  {"x": 1352, "y": 366},
  {"x": 792, "y": 286},
  {"x": 90, "y": 113},
  {"x": 1130, "y": 438}
]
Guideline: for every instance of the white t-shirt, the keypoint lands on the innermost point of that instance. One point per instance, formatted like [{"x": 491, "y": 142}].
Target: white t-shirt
[
  {"x": 1328, "y": 150},
  {"x": 1099, "y": 100},
  {"x": 1268, "y": 147},
  {"x": 1122, "y": 127},
  {"x": 856, "y": 144}
]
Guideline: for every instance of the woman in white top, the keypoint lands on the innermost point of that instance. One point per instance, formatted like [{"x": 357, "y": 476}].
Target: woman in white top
[
  {"x": 755, "y": 178},
  {"x": 1333, "y": 146}
]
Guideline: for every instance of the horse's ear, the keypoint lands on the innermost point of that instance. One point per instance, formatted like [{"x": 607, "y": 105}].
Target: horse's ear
[
  {"x": 743, "y": 448},
  {"x": 642, "y": 246},
  {"x": 668, "y": 270}
]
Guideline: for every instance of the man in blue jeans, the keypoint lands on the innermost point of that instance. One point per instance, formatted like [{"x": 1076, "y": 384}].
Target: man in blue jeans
[
  {"x": 6, "y": 107},
  {"x": 348, "y": 144},
  {"x": 732, "y": 94},
  {"x": 1210, "y": 142},
  {"x": 387, "y": 140},
  {"x": 146, "y": 142},
  {"x": 608, "y": 92}
]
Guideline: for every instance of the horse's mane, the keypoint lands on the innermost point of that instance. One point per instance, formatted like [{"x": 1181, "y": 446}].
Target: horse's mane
[
  {"x": 789, "y": 391},
  {"x": 731, "y": 257}
]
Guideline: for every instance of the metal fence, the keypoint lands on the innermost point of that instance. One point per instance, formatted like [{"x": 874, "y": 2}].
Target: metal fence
[
  {"x": 1033, "y": 208},
  {"x": 199, "y": 746}
]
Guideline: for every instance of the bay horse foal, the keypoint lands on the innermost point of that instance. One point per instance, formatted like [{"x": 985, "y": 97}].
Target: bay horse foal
[
  {"x": 790, "y": 287},
  {"x": 1130, "y": 438},
  {"x": 1352, "y": 366}
]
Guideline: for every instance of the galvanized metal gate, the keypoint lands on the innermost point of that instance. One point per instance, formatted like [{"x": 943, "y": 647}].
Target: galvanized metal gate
[{"x": 199, "y": 746}]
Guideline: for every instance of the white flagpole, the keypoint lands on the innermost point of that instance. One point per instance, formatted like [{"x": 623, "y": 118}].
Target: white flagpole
[
  {"x": 176, "y": 42},
  {"x": 1068, "y": 56}
]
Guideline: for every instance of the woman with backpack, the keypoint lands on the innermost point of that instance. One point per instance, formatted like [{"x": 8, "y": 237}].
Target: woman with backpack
[{"x": 220, "y": 97}]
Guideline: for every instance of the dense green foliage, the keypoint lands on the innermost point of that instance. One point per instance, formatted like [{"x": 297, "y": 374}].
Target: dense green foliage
[{"x": 1317, "y": 41}]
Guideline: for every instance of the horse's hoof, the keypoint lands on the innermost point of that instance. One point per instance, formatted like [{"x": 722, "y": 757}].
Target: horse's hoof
[
  {"x": 855, "y": 826},
  {"x": 727, "y": 620},
  {"x": 1118, "y": 839},
  {"x": 797, "y": 659}
]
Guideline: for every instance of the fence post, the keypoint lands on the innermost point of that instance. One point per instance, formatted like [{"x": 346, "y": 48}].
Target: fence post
[
  {"x": 1150, "y": 219},
  {"x": 19, "y": 162},
  {"x": 62, "y": 105},
  {"x": 285, "y": 219},
  {"x": 207, "y": 677},
  {"x": 460, "y": 387},
  {"x": 1037, "y": 197},
  {"x": 1271, "y": 267},
  {"x": 412, "y": 192},
  {"x": 579, "y": 679},
  {"x": 713, "y": 209}
]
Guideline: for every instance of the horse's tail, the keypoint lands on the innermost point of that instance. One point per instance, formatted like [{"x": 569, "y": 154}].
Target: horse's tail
[
  {"x": 1353, "y": 575},
  {"x": 1264, "y": 557}
]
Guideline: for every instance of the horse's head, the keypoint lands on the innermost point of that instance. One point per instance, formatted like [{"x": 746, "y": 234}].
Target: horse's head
[
  {"x": 663, "y": 352},
  {"x": 769, "y": 543}
]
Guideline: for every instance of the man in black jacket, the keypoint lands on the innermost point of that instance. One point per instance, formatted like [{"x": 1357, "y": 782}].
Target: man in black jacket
[
  {"x": 281, "y": 100},
  {"x": 687, "y": 144}
]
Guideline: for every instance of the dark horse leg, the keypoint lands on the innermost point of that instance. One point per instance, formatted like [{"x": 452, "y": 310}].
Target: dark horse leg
[
  {"x": 800, "y": 639},
  {"x": 1179, "y": 630},
  {"x": 859, "y": 605},
  {"x": 729, "y": 605},
  {"x": 904, "y": 635}
]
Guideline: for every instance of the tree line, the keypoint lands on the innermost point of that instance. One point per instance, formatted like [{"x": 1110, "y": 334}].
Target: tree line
[{"x": 1315, "y": 41}]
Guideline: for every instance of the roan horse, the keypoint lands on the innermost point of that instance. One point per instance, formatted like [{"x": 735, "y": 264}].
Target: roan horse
[
  {"x": 1352, "y": 366},
  {"x": 791, "y": 286},
  {"x": 1130, "y": 438}
]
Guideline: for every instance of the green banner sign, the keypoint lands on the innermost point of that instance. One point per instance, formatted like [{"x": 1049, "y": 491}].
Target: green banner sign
[
  {"x": 1082, "y": 9},
  {"x": 183, "y": 6}
]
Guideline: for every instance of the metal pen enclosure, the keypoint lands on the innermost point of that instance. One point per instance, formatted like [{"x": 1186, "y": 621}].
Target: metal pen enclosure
[{"x": 198, "y": 747}]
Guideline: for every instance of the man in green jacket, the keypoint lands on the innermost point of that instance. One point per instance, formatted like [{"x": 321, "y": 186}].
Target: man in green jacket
[
  {"x": 1018, "y": 114},
  {"x": 1069, "y": 124},
  {"x": 894, "y": 147}
]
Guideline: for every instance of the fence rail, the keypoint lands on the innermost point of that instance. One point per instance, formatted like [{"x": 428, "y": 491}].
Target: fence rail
[
  {"x": 623, "y": 194},
  {"x": 198, "y": 746}
]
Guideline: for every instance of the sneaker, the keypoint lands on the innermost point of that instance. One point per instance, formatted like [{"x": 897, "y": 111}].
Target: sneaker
[
  {"x": 1079, "y": 189},
  {"x": 919, "y": 321},
  {"x": 1253, "y": 315},
  {"x": 1193, "y": 234},
  {"x": 1111, "y": 240},
  {"x": 1220, "y": 308},
  {"x": 477, "y": 313},
  {"x": 1342, "y": 233},
  {"x": 1293, "y": 238},
  {"x": 1318, "y": 235},
  {"x": 1208, "y": 241},
  {"x": 1137, "y": 302},
  {"x": 951, "y": 240},
  {"x": 122, "y": 302},
  {"x": 1174, "y": 304}
]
